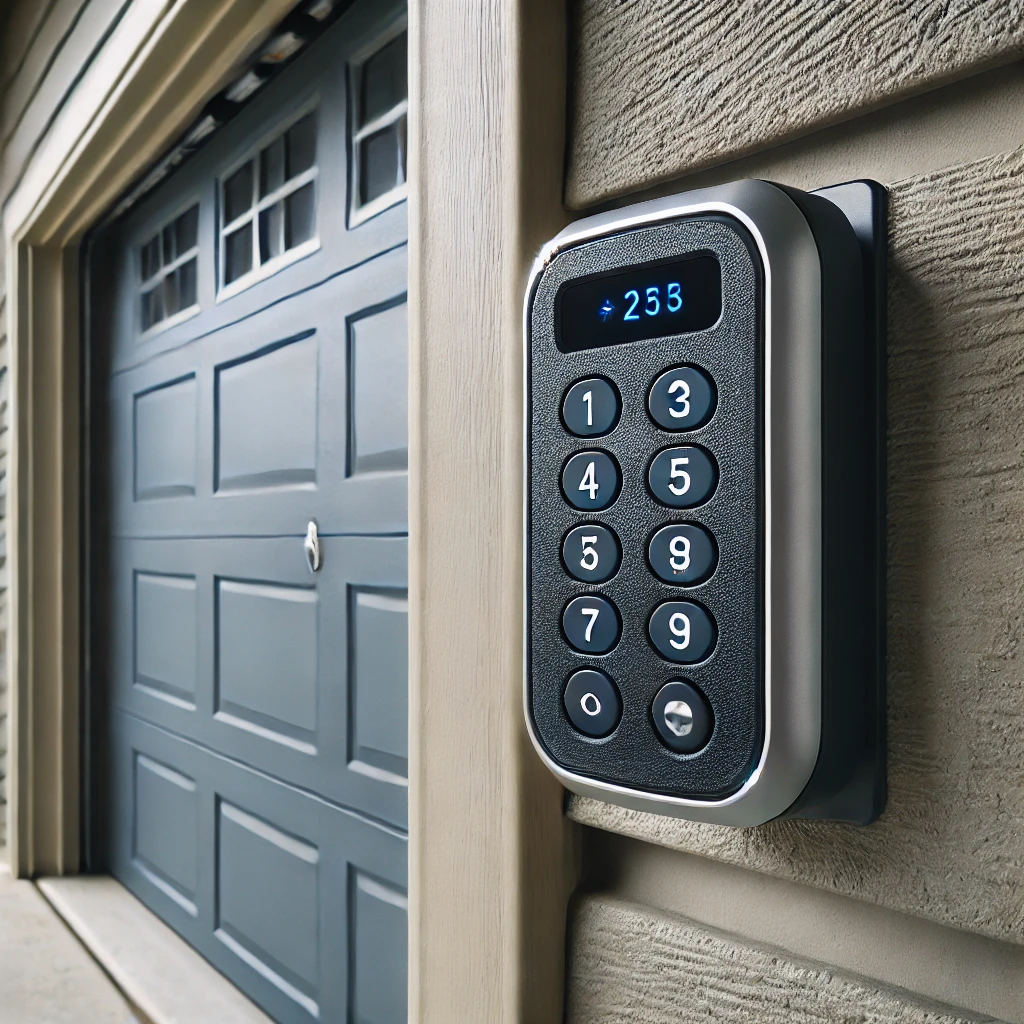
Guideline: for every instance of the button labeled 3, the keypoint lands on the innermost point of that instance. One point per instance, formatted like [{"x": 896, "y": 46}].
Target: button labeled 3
[{"x": 682, "y": 399}]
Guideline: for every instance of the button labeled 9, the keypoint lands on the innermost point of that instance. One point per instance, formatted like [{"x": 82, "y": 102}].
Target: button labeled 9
[
  {"x": 591, "y": 553},
  {"x": 682, "y": 553},
  {"x": 682, "y": 631}
]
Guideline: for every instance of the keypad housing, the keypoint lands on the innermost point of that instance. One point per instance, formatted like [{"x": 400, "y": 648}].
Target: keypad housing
[{"x": 732, "y": 677}]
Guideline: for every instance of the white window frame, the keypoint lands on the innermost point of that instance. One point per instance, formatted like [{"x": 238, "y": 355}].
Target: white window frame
[
  {"x": 261, "y": 271},
  {"x": 359, "y": 212},
  {"x": 156, "y": 226}
]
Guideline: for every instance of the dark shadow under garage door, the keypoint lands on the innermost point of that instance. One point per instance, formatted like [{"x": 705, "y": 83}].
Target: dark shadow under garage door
[{"x": 248, "y": 394}]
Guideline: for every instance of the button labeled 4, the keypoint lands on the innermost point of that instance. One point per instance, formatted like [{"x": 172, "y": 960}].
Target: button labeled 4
[{"x": 590, "y": 480}]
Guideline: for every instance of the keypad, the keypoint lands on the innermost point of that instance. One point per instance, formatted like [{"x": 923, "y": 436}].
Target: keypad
[{"x": 683, "y": 554}]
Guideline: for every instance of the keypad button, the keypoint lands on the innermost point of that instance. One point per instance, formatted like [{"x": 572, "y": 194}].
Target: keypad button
[
  {"x": 592, "y": 702},
  {"x": 682, "y": 553},
  {"x": 683, "y": 477},
  {"x": 591, "y": 407},
  {"x": 590, "y": 481},
  {"x": 682, "y": 717},
  {"x": 591, "y": 553},
  {"x": 591, "y": 624},
  {"x": 682, "y": 399},
  {"x": 682, "y": 631}
]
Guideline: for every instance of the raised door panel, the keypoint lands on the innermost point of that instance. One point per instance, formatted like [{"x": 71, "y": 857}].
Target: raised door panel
[
  {"x": 302, "y": 904},
  {"x": 300, "y": 675},
  {"x": 298, "y": 413}
]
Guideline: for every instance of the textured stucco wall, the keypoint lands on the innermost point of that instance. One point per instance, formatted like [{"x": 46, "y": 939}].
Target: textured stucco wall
[
  {"x": 950, "y": 844},
  {"x": 673, "y": 87},
  {"x": 632, "y": 965},
  {"x": 663, "y": 87}
]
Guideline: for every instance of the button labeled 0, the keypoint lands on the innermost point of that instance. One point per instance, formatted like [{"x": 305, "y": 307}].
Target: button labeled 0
[{"x": 592, "y": 702}]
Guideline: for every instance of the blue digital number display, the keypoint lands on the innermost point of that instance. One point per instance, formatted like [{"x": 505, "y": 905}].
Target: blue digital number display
[{"x": 649, "y": 301}]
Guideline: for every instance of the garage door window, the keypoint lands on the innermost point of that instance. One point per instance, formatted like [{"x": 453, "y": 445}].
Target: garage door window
[
  {"x": 268, "y": 208},
  {"x": 167, "y": 269},
  {"x": 380, "y": 104}
]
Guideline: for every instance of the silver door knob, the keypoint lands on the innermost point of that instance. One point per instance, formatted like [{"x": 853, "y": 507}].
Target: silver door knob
[{"x": 311, "y": 545}]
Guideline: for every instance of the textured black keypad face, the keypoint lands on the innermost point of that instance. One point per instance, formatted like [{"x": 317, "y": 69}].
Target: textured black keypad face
[{"x": 721, "y": 494}]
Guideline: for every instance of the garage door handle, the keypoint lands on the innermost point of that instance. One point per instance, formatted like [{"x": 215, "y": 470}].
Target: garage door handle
[{"x": 312, "y": 547}]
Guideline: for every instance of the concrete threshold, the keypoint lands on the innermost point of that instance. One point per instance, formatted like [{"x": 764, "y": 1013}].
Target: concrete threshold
[
  {"x": 46, "y": 975},
  {"x": 160, "y": 973}
]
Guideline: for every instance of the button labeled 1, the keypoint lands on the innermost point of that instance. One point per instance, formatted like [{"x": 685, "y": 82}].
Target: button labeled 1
[
  {"x": 682, "y": 399},
  {"x": 682, "y": 631},
  {"x": 591, "y": 553},
  {"x": 592, "y": 702},
  {"x": 682, "y": 553},
  {"x": 591, "y": 624},
  {"x": 683, "y": 477},
  {"x": 590, "y": 481},
  {"x": 591, "y": 407}
]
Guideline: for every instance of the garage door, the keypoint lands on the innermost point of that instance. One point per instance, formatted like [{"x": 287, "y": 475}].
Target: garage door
[{"x": 248, "y": 602}]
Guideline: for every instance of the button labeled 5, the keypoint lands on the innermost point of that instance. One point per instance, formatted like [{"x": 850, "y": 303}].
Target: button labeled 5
[
  {"x": 591, "y": 553},
  {"x": 590, "y": 481},
  {"x": 683, "y": 477}
]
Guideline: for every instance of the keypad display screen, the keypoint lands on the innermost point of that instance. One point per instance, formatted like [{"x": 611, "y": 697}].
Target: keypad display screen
[{"x": 651, "y": 301}]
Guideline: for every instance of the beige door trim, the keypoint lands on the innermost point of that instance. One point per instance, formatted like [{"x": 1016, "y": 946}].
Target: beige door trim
[
  {"x": 161, "y": 62},
  {"x": 491, "y": 858}
]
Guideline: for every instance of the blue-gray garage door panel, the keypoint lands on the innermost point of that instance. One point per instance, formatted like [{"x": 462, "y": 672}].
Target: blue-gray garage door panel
[
  {"x": 248, "y": 741},
  {"x": 296, "y": 412},
  {"x": 236, "y": 645},
  {"x": 301, "y": 903}
]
